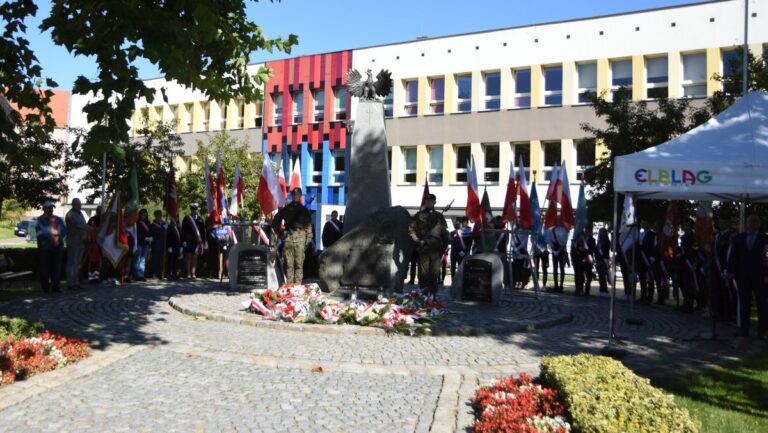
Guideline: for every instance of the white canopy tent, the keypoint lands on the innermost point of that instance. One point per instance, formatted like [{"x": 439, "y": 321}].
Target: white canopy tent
[{"x": 724, "y": 159}]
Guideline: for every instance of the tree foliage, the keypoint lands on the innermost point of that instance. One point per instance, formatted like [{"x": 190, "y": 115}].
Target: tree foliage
[
  {"x": 733, "y": 81},
  {"x": 201, "y": 44},
  {"x": 191, "y": 187},
  {"x": 152, "y": 154}
]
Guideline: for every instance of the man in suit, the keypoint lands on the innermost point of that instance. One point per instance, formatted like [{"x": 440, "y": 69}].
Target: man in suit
[
  {"x": 647, "y": 250},
  {"x": 332, "y": 230},
  {"x": 687, "y": 266},
  {"x": 747, "y": 265}
]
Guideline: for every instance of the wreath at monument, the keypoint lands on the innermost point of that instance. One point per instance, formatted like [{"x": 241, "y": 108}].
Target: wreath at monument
[{"x": 410, "y": 313}]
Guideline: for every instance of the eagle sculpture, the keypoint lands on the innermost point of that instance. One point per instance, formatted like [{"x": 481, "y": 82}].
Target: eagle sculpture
[{"x": 369, "y": 89}]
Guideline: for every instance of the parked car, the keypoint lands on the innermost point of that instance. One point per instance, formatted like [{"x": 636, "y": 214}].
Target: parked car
[{"x": 22, "y": 229}]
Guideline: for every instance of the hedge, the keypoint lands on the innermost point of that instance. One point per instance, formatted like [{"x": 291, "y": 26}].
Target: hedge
[
  {"x": 18, "y": 327},
  {"x": 603, "y": 396}
]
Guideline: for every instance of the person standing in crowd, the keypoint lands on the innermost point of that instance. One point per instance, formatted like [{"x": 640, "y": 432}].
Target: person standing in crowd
[
  {"x": 332, "y": 230},
  {"x": 51, "y": 232},
  {"x": 687, "y": 272},
  {"x": 413, "y": 265},
  {"x": 296, "y": 235},
  {"x": 461, "y": 242},
  {"x": 559, "y": 240},
  {"x": 143, "y": 238},
  {"x": 262, "y": 231},
  {"x": 520, "y": 260},
  {"x": 541, "y": 255},
  {"x": 582, "y": 256},
  {"x": 77, "y": 235},
  {"x": 126, "y": 263},
  {"x": 648, "y": 251},
  {"x": 603, "y": 259},
  {"x": 173, "y": 248},
  {"x": 192, "y": 232},
  {"x": 723, "y": 296},
  {"x": 94, "y": 250},
  {"x": 157, "y": 244},
  {"x": 214, "y": 250},
  {"x": 430, "y": 232},
  {"x": 747, "y": 265}
]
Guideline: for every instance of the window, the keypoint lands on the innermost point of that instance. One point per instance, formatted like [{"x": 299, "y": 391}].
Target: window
[
  {"x": 316, "y": 169},
  {"x": 277, "y": 106},
  {"x": 694, "y": 75},
  {"x": 732, "y": 62},
  {"x": 340, "y": 103},
  {"x": 187, "y": 119},
  {"x": 388, "y": 104},
  {"x": 657, "y": 77},
  {"x": 492, "y": 82},
  {"x": 206, "y": 114},
  {"x": 551, "y": 153},
  {"x": 338, "y": 169},
  {"x": 409, "y": 162},
  {"x": 464, "y": 100},
  {"x": 258, "y": 114},
  {"x": 553, "y": 85},
  {"x": 411, "y": 98},
  {"x": 318, "y": 106},
  {"x": 435, "y": 164},
  {"x": 621, "y": 75},
  {"x": 240, "y": 114},
  {"x": 463, "y": 156},
  {"x": 436, "y": 95},
  {"x": 587, "y": 80},
  {"x": 585, "y": 153},
  {"x": 522, "y": 97},
  {"x": 223, "y": 112},
  {"x": 523, "y": 150},
  {"x": 491, "y": 169},
  {"x": 298, "y": 107}
]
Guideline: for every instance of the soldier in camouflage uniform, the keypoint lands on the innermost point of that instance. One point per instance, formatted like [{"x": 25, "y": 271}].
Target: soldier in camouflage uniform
[
  {"x": 293, "y": 223},
  {"x": 430, "y": 232}
]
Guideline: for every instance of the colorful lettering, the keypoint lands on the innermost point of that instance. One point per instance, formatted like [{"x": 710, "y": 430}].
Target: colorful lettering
[{"x": 672, "y": 177}]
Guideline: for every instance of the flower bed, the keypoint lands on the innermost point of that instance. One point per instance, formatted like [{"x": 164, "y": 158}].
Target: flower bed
[
  {"x": 412, "y": 313},
  {"x": 22, "y": 357},
  {"x": 510, "y": 405}
]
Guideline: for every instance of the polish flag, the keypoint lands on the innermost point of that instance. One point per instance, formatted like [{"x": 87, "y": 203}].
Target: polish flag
[
  {"x": 221, "y": 195},
  {"x": 270, "y": 193},
  {"x": 281, "y": 181},
  {"x": 560, "y": 193},
  {"x": 508, "y": 212},
  {"x": 474, "y": 212},
  {"x": 210, "y": 204},
  {"x": 238, "y": 192},
  {"x": 526, "y": 210},
  {"x": 296, "y": 177}
]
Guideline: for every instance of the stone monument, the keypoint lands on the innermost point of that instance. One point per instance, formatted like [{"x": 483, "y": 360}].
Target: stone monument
[{"x": 480, "y": 277}]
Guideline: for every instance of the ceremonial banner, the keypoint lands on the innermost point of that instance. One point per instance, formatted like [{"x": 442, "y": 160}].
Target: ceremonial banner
[
  {"x": 112, "y": 237},
  {"x": 508, "y": 213},
  {"x": 527, "y": 214},
  {"x": 238, "y": 192},
  {"x": 474, "y": 212}
]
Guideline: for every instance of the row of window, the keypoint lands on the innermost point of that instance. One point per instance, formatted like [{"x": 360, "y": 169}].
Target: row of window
[
  {"x": 316, "y": 166},
  {"x": 585, "y": 157},
  {"x": 317, "y": 109},
  {"x": 694, "y": 82}
]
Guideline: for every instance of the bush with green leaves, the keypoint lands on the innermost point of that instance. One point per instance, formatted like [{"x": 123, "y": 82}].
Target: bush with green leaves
[
  {"x": 603, "y": 396},
  {"x": 19, "y": 327}
]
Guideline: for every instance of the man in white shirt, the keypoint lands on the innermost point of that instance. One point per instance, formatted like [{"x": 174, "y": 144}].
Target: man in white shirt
[{"x": 559, "y": 240}]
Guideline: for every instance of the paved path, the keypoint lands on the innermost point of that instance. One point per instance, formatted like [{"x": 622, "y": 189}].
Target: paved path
[{"x": 155, "y": 368}]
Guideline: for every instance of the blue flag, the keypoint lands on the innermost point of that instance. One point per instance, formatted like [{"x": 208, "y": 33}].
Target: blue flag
[
  {"x": 536, "y": 229},
  {"x": 581, "y": 211}
]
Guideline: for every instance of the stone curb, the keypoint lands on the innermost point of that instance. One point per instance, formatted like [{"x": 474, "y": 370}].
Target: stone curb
[{"x": 178, "y": 304}]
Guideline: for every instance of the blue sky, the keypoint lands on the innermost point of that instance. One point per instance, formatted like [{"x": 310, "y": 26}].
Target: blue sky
[{"x": 359, "y": 23}]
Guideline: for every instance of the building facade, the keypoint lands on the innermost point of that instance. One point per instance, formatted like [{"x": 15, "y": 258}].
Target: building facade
[{"x": 495, "y": 96}]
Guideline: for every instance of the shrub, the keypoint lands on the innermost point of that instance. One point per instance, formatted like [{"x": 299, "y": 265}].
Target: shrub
[
  {"x": 22, "y": 357},
  {"x": 18, "y": 327},
  {"x": 603, "y": 396}
]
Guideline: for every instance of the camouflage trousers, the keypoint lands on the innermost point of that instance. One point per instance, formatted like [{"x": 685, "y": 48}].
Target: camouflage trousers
[
  {"x": 293, "y": 253},
  {"x": 429, "y": 268}
]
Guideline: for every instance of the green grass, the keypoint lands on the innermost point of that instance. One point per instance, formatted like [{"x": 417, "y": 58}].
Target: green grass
[
  {"x": 7, "y": 233},
  {"x": 730, "y": 399}
]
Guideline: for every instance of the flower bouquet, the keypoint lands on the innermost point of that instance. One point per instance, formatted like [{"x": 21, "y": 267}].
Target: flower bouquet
[
  {"x": 411, "y": 313},
  {"x": 511, "y": 405}
]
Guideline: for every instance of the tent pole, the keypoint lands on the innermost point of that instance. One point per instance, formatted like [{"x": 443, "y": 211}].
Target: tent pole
[
  {"x": 744, "y": 72},
  {"x": 742, "y": 212},
  {"x": 614, "y": 242}
]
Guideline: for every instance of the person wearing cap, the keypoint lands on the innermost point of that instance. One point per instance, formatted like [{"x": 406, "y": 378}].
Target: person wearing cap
[
  {"x": 192, "y": 232},
  {"x": 429, "y": 231},
  {"x": 293, "y": 223},
  {"x": 51, "y": 232},
  {"x": 77, "y": 236}
]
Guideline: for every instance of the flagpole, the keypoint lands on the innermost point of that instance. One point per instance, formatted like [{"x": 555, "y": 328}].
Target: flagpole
[
  {"x": 609, "y": 349},
  {"x": 103, "y": 180},
  {"x": 745, "y": 74}
]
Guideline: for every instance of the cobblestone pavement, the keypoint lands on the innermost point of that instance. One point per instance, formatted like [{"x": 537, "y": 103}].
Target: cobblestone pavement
[{"x": 220, "y": 369}]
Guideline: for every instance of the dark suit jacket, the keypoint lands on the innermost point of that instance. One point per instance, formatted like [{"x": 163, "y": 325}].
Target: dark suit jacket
[{"x": 748, "y": 264}]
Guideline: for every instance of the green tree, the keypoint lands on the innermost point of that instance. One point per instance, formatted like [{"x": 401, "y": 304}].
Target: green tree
[
  {"x": 191, "y": 187},
  {"x": 152, "y": 154},
  {"x": 632, "y": 126},
  {"x": 201, "y": 44},
  {"x": 733, "y": 80}
]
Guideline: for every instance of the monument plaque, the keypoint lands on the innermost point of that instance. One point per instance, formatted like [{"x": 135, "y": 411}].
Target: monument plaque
[
  {"x": 251, "y": 266},
  {"x": 477, "y": 280}
]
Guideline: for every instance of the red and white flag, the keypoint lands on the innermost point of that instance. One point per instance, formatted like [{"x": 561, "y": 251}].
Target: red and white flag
[
  {"x": 238, "y": 193},
  {"x": 296, "y": 177},
  {"x": 560, "y": 193},
  {"x": 508, "y": 213},
  {"x": 270, "y": 193},
  {"x": 281, "y": 180},
  {"x": 221, "y": 195},
  {"x": 474, "y": 211},
  {"x": 526, "y": 210}
]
